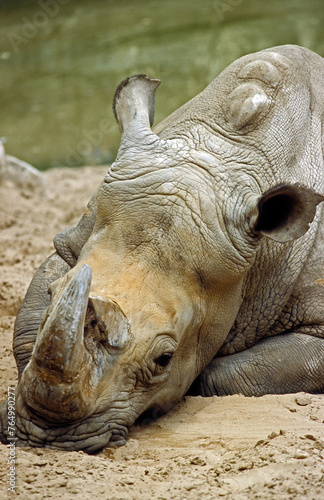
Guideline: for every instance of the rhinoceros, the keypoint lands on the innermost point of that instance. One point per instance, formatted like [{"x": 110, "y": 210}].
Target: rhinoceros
[{"x": 198, "y": 263}]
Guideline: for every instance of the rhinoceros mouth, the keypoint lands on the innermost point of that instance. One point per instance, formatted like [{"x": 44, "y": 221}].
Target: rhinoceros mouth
[{"x": 89, "y": 435}]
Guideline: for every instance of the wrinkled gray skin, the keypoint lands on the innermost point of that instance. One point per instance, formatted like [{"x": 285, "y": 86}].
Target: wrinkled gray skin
[{"x": 199, "y": 258}]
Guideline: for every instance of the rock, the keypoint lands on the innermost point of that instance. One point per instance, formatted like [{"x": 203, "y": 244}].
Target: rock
[
  {"x": 23, "y": 175},
  {"x": 246, "y": 465},
  {"x": 2, "y": 158},
  {"x": 311, "y": 437},
  {"x": 303, "y": 400},
  {"x": 20, "y": 173},
  {"x": 300, "y": 454},
  {"x": 198, "y": 461}
]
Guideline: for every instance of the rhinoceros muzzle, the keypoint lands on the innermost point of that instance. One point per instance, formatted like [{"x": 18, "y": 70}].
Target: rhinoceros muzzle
[{"x": 76, "y": 342}]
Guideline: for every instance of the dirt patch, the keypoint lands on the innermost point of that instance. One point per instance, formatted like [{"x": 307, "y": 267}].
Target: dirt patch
[{"x": 232, "y": 447}]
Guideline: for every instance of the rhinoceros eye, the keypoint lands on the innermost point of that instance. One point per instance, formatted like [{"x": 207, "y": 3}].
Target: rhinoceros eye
[{"x": 163, "y": 360}]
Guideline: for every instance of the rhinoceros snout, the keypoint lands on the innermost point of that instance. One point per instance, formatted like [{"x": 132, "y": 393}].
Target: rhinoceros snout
[{"x": 76, "y": 339}]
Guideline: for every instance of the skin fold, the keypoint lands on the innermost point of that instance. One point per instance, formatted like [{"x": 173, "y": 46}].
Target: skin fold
[{"x": 199, "y": 259}]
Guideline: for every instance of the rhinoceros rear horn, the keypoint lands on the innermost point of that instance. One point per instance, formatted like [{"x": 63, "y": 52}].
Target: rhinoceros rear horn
[
  {"x": 113, "y": 322},
  {"x": 134, "y": 103}
]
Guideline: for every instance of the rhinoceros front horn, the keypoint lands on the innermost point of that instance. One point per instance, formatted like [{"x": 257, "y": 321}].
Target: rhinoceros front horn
[
  {"x": 61, "y": 367},
  {"x": 60, "y": 347}
]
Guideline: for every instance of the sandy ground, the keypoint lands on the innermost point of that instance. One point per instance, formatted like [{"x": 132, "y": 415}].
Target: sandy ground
[{"x": 232, "y": 447}]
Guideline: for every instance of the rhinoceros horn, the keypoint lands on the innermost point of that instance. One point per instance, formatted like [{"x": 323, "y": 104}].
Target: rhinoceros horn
[
  {"x": 60, "y": 362},
  {"x": 60, "y": 347}
]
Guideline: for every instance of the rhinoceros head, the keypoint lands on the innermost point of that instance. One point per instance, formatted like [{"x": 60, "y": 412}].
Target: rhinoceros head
[
  {"x": 156, "y": 287},
  {"x": 124, "y": 329}
]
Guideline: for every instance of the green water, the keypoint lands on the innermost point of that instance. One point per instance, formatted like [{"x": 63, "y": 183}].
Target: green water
[{"x": 61, "y": 60}]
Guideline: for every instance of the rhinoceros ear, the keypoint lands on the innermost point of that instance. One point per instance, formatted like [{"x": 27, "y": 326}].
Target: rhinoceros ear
[
  {"x": 134, "y": 103},
  {"x": 69, "y": 242},
  {"x": 285, "y": 212}
]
